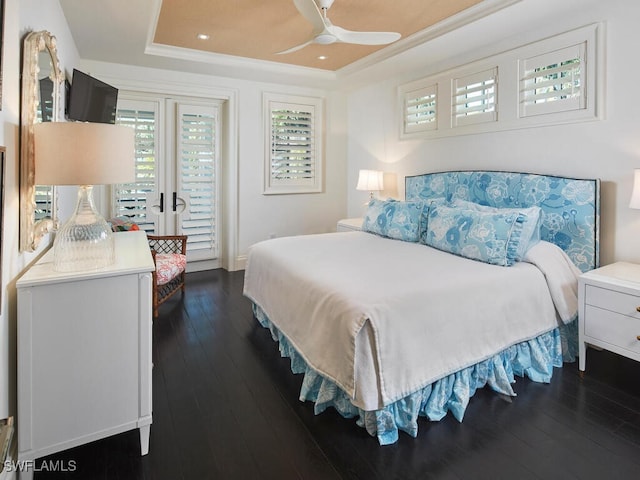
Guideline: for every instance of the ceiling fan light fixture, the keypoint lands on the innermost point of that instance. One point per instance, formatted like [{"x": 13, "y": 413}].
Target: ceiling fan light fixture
[{"x": 325, "y": 39}]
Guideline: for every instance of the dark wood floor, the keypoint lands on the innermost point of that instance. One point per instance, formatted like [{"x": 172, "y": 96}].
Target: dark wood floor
[{"x": 225, "y": 407}]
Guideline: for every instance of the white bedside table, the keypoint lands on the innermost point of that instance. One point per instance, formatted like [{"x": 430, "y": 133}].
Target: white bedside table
[
  {"x": 609, "y": 310},
  {"x": 350, "y": 224}
]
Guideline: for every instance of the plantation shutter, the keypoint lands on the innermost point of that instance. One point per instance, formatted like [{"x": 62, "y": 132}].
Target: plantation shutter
[
  {"x": 292, "y": 139},
  {"x": 474, "y": 98},
  {"x": 420, "y": 110},
  {"x": 198, "y": 166},
  {"x": 553, "y": 82},
  {"x": 293, "y": 146},
  {"x": 130, "y": 199}
]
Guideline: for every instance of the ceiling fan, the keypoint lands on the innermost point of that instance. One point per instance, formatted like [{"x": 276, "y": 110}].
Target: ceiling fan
[{"x": 325, "y": 33}]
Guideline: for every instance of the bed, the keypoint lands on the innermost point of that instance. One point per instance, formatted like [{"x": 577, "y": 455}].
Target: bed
[{"x": 468, "y": 282}]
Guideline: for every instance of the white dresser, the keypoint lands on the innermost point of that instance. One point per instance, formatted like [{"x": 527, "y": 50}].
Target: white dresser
[
  {"x": 609, "y": 310},
  {"x": 84, "y": 351}
]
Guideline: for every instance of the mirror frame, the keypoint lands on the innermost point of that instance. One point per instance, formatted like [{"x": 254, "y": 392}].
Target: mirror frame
[{"x": 31, "y": 232}]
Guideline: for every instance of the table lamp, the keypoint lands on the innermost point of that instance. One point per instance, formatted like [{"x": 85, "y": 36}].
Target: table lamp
[
  {"x": 371, "y": 181},
  {"x": 83, "y": 154},
  {"x": 635, "y": 194}
]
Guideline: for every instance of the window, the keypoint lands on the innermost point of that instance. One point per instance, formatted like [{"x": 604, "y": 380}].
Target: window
[
  {"x": 474, "y": 98},
  {"x": 553, "y": 82},
  {"x": 420, "y": 107},
  {"x": 293, "y": 144},
  {"x": 130, "y": 199}
]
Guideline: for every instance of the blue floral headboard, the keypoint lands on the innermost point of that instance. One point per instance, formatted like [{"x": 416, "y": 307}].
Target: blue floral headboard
[{"x": 570, "y": 207}]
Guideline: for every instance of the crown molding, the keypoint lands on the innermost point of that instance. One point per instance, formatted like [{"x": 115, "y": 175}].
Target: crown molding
[{"x": 239, "y": 64}]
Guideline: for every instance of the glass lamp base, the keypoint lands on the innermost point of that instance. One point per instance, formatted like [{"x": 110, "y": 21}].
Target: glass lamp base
[{"x": 86, "y": 241}]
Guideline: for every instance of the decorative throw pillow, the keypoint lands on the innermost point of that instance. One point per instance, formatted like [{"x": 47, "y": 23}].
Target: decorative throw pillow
[
  {"x": 428, "y": 205},
  {"x": 485, "y": 236},
  {"x": 123, "y": 224},
  {"x": 530, "y": 226},
  {"x": 394, "y": 219}
]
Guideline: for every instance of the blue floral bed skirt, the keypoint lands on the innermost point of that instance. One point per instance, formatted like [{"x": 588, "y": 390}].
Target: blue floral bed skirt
[{"x": 534, "y": 358}]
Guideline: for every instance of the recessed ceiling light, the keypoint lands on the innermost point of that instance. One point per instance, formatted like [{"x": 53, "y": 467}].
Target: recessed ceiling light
[
  {"x": 322, "y": 57},
  {"x": 203, "y": 36}
]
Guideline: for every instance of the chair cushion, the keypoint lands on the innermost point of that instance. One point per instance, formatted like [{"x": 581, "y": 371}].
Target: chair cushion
[{"x": 169, "y": 266}]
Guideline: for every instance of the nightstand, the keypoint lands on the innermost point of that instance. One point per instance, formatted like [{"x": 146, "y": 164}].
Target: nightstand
[
  {"x": 350, "y": 224},
  {"x": 609, "y": 310}
]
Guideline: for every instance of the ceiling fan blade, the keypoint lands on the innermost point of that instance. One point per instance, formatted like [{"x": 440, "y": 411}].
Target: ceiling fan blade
[
  {"x": 296, "y": 48},
  {"x": 363, "y": 38},
  {"x": 309, "y": 10}
]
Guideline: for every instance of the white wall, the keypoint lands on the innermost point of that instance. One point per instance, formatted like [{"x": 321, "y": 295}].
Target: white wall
[
  {"x": 608, "y": 149},
  {"x": 20, "y": 17}
]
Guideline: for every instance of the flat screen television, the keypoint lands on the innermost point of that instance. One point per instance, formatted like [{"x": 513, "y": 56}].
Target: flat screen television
[{"x": 91, "y": 100}]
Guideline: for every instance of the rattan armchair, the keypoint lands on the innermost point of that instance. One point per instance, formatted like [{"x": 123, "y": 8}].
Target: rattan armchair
[{"x": 169, "y": 255}]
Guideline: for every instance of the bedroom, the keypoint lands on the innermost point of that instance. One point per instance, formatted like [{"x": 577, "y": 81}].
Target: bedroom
[{"x": 360, "y": 130}]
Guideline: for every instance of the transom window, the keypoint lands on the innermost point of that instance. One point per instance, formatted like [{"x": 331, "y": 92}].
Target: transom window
[
  {"x": 475, "y": 98},
  {"x": 553, "y": 82}
]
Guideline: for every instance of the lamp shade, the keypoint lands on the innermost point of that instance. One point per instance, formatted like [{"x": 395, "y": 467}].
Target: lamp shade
[
  {"x": 370, "y": 180},
  {"x": 75, "y": 153},
  {"x": 635, "y": 195}
]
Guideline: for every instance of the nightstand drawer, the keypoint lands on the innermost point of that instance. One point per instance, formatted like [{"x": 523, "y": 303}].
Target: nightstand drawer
[
  {"x": 613, "y": 328},
  {"x": 614, "y": 301}
]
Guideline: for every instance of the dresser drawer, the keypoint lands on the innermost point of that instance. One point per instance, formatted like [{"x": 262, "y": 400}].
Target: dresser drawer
[
  {"x": 618, "y": 302},
  {"x": 612, "y": 327}
]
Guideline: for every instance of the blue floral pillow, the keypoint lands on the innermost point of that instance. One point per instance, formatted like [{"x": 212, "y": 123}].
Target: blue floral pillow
[
  {"x": 490, "y": 237},
  {"x": 428, "y": 205},
  {"x": 530, "y": 226},
  {"x": 394, "y": 219}
]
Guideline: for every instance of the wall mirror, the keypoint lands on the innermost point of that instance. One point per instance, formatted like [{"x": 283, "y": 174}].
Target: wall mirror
[{"x": 42, "y": 81}]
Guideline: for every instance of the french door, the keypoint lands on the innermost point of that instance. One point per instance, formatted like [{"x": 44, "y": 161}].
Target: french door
[{"x": 177, "y": 145}]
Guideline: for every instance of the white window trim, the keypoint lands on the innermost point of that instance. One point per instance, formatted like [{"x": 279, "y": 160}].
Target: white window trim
[
  {"x": 315, "y": 107},
  {"x": 510, "y": 117}
]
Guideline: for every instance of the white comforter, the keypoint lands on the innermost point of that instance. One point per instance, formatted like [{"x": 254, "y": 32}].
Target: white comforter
[{"x": 383, "y": 318}]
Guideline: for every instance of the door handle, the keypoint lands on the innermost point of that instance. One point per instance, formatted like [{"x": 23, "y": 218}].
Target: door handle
[
  {"x": 157, "y": 207},
  {"x": 179, "y": 205}
]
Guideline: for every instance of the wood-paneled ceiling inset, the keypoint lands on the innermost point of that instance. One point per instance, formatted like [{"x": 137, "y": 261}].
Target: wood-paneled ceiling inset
[{"x": 259, "y": 29}]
